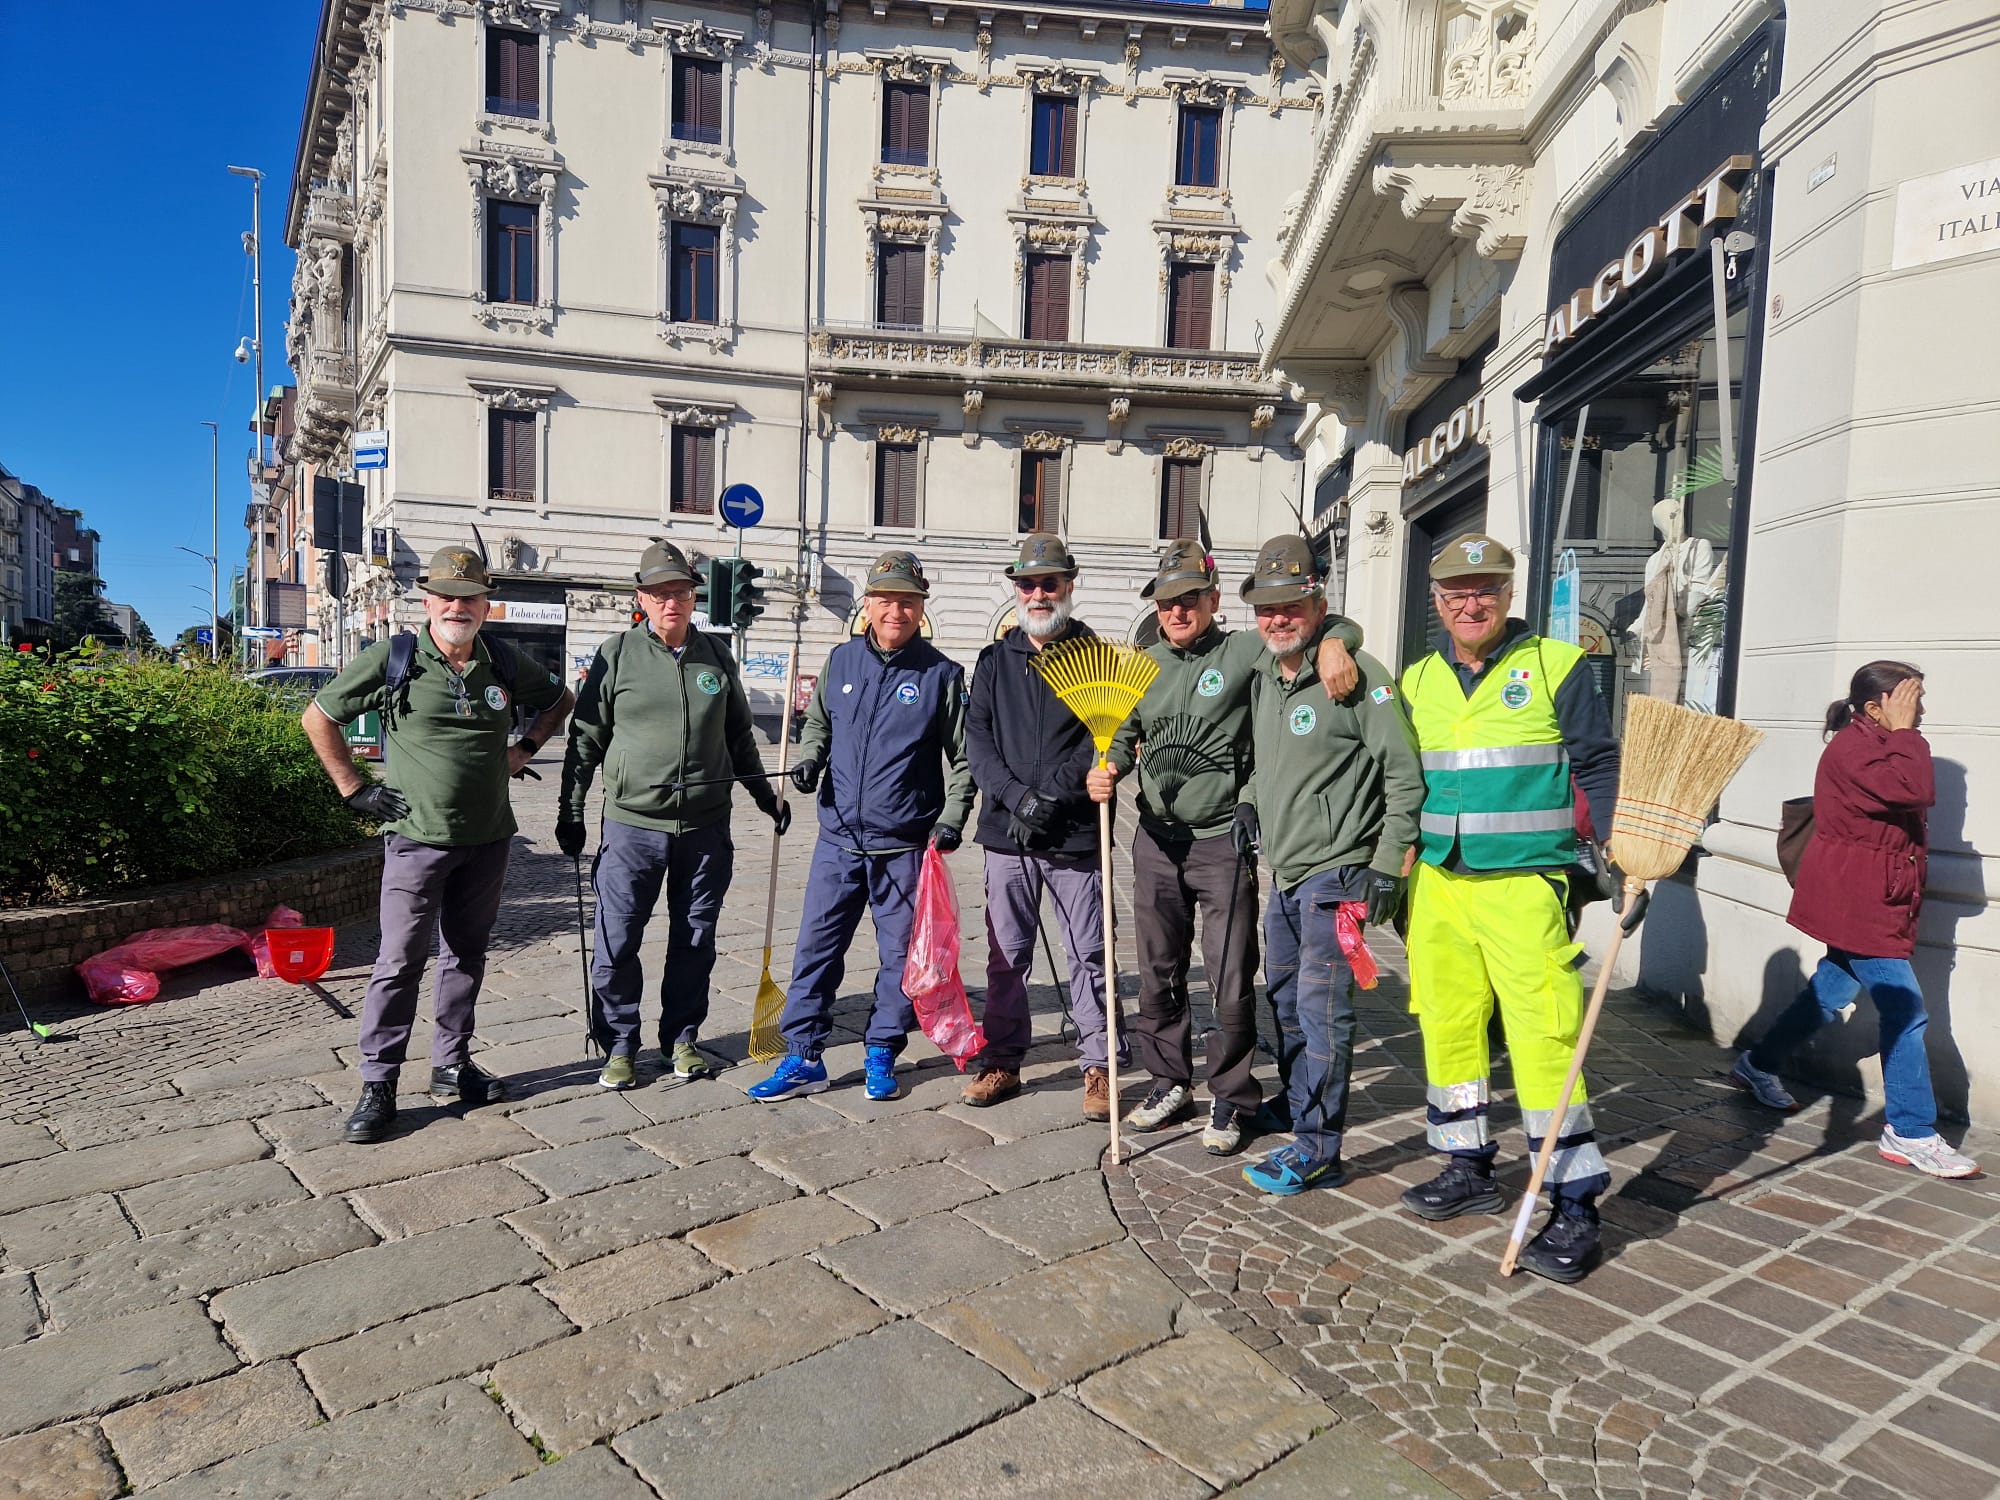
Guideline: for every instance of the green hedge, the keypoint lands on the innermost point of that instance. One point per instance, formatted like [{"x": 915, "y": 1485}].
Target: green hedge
[{"x": 117, "y": 774}]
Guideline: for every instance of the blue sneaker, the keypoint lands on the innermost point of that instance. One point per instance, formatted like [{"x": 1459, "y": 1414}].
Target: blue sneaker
[
  {"x": 881, "y": 1067},
  {"x": 1289, "y": 1170},
  {"x": 795, "y": 1075}
]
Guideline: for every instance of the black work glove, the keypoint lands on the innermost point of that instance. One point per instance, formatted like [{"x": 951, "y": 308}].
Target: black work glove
[
  {"x": 382, "y": 803},
  {"x": 569, "y": 837},
  {"x": 945, "y": 838},
  {"x": 1611, "y": 881},
  {"x": 1020, "y": 832},
  {"x": 780, "y": 813},
  {"x": 527, "y": 771},
  {"x": 805, "y": 775},
  {"x": 1036, "y": 811},
  {"x": 1244, "y": 832},
  {"x": 1385, "y": 897}
]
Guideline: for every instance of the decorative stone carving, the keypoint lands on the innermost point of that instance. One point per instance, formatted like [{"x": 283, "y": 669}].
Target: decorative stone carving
[
  {"x": 983, "y": 41},
  {"x": 522, "y": 15},
  {"x": 699, "y": 39},
  {"x": 1484, "y": 52},
  {"x": 1274, "y": 100},
  {"x": 512, "y": 549},
  {"x": 695, "y": 414},
  {"x": 1058, "y": 78},
  {"x": 1186, "y": 447},
  {"x": 1042, "y": 441},
  {"x": 1288, "y": 217},
  {"x": 907, "y": 67},
  {"x": 1116, "y": 415},
  {"x": 1131, "y": 69},
  {"x": 515, "y": 398},
  {"x": 899, "y": 434},
  {"x": 972, "y": 404},
  {"x": 1486, "y": 201}
]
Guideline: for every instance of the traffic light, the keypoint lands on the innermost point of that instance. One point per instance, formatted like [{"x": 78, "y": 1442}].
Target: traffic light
[{"x": 746, "y": 600}]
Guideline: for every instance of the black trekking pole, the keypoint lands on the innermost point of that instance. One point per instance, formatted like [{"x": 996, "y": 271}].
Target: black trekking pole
[
  {"x": 1055, "y": 977},
  {"x": 45, "y": 1033},
  {"x": 592, "y": 1046}
]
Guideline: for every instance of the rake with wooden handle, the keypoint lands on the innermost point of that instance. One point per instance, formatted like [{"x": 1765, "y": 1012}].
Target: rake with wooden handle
[
  {"x": 766, "y": 1040},
  {"x": 1673, "y": 765},
  {"x": 1101, "y": 682}
]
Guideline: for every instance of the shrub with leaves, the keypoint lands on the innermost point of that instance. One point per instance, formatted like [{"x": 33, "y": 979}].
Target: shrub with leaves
[{"x": 117, "y": 774}]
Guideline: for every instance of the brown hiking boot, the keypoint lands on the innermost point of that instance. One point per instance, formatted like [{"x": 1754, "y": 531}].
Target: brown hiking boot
[
  {"x": 1096, "y": 1094},
  {"x": 991, "y": 1086}
]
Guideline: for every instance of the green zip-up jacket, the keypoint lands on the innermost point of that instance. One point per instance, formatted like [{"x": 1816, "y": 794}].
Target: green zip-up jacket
[
  {"x": 1190, "y": 734},
  {"x": 1335, "y": 783},
  {"x": 650, "y": 719}
]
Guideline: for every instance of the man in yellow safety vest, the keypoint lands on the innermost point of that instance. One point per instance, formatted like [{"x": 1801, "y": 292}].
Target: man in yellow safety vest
[{"x": 1503, "y": 719}]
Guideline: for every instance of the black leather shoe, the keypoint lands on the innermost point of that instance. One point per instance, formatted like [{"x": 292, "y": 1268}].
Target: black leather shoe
[
  {"x": 468, "y": 1083},
  {"x": 1567, "y": 1247},
  {"x": 1463, "y": 1187},
  {"x": 374, "y": 1116}
]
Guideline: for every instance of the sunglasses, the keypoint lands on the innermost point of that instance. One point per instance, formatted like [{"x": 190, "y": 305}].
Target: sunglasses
[
  {"x": 1040, "y": 585},
  {"x": 1188, "y": 602}
]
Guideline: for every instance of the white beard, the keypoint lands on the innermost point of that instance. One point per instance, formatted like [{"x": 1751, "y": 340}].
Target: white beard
[
  {"x": 454, "y": 633},
  {"x": 1042, "y": 625}
]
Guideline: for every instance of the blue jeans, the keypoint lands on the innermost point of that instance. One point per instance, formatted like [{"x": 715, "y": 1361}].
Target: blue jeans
[
  {"x": 1312, "y": 991},
  {"x": 839, "y": 888},
  {"x": 1899, "y": 1004}
]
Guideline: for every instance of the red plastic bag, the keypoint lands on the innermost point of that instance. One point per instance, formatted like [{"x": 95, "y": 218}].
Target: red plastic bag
[
  {"x": 130, "y": 973},
  {"x": 260, "y": 945},
  {"x": 930, "y": 970},
  {"x": 1347, "y": 920}
]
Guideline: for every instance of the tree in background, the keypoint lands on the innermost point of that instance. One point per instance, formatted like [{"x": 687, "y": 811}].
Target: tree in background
[{"x": 80, "y": 610}]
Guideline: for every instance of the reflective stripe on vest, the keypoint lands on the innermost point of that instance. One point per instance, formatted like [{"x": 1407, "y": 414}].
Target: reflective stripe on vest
[{"x": 1496, "y": 776}]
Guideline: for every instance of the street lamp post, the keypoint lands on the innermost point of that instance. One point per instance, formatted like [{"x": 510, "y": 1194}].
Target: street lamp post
[
  {"x": 214, "y": 537},
  {"x": 214, "y": 631},
  {"x": 254, "y": 244}
]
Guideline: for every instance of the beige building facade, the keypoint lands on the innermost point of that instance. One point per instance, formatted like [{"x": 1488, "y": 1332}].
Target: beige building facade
[
  {"x": 924, "y": 276},
  {"x": 1689, "y": 302}
]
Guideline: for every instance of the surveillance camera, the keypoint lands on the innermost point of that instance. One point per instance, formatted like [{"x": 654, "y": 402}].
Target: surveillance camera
[{"x": 243, "y": 352}]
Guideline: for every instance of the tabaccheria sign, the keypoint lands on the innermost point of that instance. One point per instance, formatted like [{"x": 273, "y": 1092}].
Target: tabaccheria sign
[{"x": 1679, "y": 229}]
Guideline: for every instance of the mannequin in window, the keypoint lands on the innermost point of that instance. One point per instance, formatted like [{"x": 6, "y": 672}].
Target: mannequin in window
[{"x": 1681, "y": 577}]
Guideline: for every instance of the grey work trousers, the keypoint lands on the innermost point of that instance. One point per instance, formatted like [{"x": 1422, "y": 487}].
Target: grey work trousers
[
  {"x": 1014, "y": 886},
  {"x": 632, "y": 865},
  {"x": 449, "y": 896}
]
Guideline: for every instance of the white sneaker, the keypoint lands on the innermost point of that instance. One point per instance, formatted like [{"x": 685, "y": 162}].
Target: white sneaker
[
  {"x": 1224, "y": 1131},
  {"x": 1764, "y": 1087},
  {"x": 1158, "y": 1107},
  {"x": 1930, "y": 1154}
]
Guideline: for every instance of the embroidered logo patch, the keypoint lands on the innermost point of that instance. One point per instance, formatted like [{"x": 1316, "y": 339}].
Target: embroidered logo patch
[
  {"x": 1209, "y": 684},
  {"x": 496, "y": 698},
  {"x": 1383, "y": 694},
  {"x": 1475, "y": 552},
  {"x": 708, "y": 682},
  {"x": 907, "y": 693},
  {"x": 1516, "y": 694},
  {"x": 1303, "y": 718},
  {"x": 847, "y": 687}
]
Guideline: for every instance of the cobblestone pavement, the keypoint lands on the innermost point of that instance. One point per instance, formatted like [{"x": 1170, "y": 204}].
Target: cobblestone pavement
[{"x": 676, "y": 1291}]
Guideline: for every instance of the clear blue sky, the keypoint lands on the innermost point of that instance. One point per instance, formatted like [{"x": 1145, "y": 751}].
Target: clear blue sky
[{"x": 123, "y": 275}]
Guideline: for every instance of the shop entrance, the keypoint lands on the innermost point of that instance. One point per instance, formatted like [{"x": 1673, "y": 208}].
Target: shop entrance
[{"x": 1460, "y": 509}]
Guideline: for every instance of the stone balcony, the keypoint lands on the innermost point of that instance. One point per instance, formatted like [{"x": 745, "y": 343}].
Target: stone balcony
[{"x": 325, "y": 404}]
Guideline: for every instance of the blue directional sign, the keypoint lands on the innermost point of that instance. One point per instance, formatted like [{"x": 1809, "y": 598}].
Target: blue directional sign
[
  {"x": 204, "y": 635},
  {"x": 371, "y": 449},
  {"x": 742, "y": 506}
]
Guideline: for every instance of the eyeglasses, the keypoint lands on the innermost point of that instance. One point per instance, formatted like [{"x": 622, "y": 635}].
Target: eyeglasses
[
  {"x": 1040, "y": 585},
  {"x": 1187, "y": 603},
  {"x": 681, "y": 595},
  {"x": 1457, "y": 600}
]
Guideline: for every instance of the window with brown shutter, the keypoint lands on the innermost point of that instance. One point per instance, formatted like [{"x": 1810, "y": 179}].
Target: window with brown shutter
[
  {"x": 697, "y": 99},
  {"x": 513, "y": 73},
  {"x": 1190, "y": 306},
  {"x": 1046, "y": 311},
  {"x": 693, "y": 489},
  {"x": 1180, "y": 498},
  {"x": 906, "y": 124},
  {"x": 1041, "y": 492},
  {"x": 1052, "y": 148},
  {"x": 899, "y": 286},
  {"x": 510, "y": 456},
  {"x": 510, "y": 251},
  {"x": 896, "y": 485}
]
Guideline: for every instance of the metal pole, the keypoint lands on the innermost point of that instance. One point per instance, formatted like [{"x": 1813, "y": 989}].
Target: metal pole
[
  {"x": 214, "y": 538},
  {"x": 255, "y": 245}
]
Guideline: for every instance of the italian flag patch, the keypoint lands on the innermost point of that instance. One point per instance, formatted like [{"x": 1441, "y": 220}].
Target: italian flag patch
[
  {"x": 1519, "y": 674},
  {"x": 1382, "y": 694}
]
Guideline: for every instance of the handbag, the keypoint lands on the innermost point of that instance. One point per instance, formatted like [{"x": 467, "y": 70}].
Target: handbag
[{"x": 1795, "y": 831}]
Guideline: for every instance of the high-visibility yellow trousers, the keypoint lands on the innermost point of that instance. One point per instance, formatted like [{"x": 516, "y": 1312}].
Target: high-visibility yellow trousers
[{"x": 1475, "y": 938}]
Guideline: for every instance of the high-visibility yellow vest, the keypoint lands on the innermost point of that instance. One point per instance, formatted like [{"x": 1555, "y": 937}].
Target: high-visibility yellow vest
[{"x": 1496, "y": 775}]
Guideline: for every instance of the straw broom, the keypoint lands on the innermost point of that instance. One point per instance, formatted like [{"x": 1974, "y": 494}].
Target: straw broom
[
  {"x": 766, "y": 1041},
  {"x": 1101, "y": 682},
  {"x": 1673, "y": 765}
]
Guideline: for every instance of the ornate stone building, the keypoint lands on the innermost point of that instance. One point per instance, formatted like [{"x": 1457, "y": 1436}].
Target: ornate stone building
[{"x": 923, "y": 274}]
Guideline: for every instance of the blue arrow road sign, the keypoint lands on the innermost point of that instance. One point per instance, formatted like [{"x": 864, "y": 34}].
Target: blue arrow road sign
[
  {"x": 204, "y": 635},
  {"x": 742, "y": 506}
]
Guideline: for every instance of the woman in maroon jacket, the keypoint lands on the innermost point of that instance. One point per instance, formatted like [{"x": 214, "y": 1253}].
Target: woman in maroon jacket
[{"x": 1861, "y": 882}]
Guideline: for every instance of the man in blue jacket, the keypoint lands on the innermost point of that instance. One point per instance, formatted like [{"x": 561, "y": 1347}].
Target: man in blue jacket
[{"x": 886, "y": 731}]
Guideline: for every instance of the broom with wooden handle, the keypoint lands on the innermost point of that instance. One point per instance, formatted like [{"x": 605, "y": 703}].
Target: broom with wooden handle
[
  {"x": 1101, "y": 682},
  {"x": 766, "y": 1041},
  {"x": 1673, "y": 765}
]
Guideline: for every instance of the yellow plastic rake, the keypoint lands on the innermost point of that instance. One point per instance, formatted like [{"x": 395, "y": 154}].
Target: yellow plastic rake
[{"x": 1101, "y": 682}]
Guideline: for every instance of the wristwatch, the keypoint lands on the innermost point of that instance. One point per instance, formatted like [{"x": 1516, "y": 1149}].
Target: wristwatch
[{"x": 528, "y": 743}]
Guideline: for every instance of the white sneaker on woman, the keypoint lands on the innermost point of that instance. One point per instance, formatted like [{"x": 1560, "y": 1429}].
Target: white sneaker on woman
[{"x": 1930, "y": 1154}]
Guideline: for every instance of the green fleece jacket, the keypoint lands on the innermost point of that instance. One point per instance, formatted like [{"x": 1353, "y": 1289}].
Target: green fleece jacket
[
  {"x": 1190, "y": 734},
  {"x": 651, "y": 719},
  {"x": 1335, "y": 783}
]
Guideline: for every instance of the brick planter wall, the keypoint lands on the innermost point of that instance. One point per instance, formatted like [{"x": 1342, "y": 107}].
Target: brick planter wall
[{"x": 41, "y": 944}]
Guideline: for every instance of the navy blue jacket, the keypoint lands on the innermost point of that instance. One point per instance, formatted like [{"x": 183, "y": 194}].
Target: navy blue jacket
[{"x": 888, "y": 727}]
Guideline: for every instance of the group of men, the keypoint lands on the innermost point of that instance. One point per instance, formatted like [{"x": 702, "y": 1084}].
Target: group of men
[{"x": 1444, "y": 802}]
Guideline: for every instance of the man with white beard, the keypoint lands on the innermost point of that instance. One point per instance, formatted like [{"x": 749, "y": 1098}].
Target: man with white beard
[
  {"x": 1030, "y": 757},
  {"x": 447, "y": 701}
]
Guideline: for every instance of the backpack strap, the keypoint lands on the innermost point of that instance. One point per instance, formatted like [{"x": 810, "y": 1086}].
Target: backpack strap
[
  {"x": 504, "y": 660},
  {"x": 402, "y": 651}
]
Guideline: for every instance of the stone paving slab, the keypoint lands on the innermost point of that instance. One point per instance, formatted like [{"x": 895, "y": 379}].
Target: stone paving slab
[
  {"x": 586, "y": 1119},
  {"x": 176, "y": 1434},
  {"x": 570, "y": 1231},
  {"x": 566, "y": 1171},
  {"x": 735, "y": 1132},
  {"x": 1038, "y": 1158},
  {"x": 98, "y": 1127},
  {"x": 25, "y": 1143},
  {"x": 1052, "y": 1450},
  {"x": 592, "y": 1474},
  {"x": 79, "y": 1372},
  {"x": 830, "y": 1159},
  {"x": 610, "y": 1378},
  {"x": 628, "y": 1280},
  {"x": 279, "y": 1067},
  {"x": 192, "y": 1262},
  {"x": 909, "y": 1267},
  {"x": 445, "y": 1443},
  {"x": 438, "y": 1200},
  {"x": 446, "y": 1141},
  {"x": 72, "y": 1226},
  {"x": 128, "y": 1164},
  {"x": 319, "y": 1303},
  {"x": 1054, "y": 1326},
  {"x": 825, "y": 1424},
  {"x": 912, "y": 1192},
  {"x": 20, "y": 1313},
  {"x": 1345, "y": 1464},
  {"x": 765, "y": 1235},
  {"x": 404, "y": 1356},
  {"x": 1051, "y": 1220},
  {"x": 202, "y": 1197},
  {"x": 60, "y": 1463}
]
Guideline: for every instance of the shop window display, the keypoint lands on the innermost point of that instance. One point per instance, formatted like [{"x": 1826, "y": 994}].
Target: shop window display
[{"x": 1648, "y": 519}]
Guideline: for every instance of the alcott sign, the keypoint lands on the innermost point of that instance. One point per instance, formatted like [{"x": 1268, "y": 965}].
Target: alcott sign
[{"x": 1647, "y": 256}]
